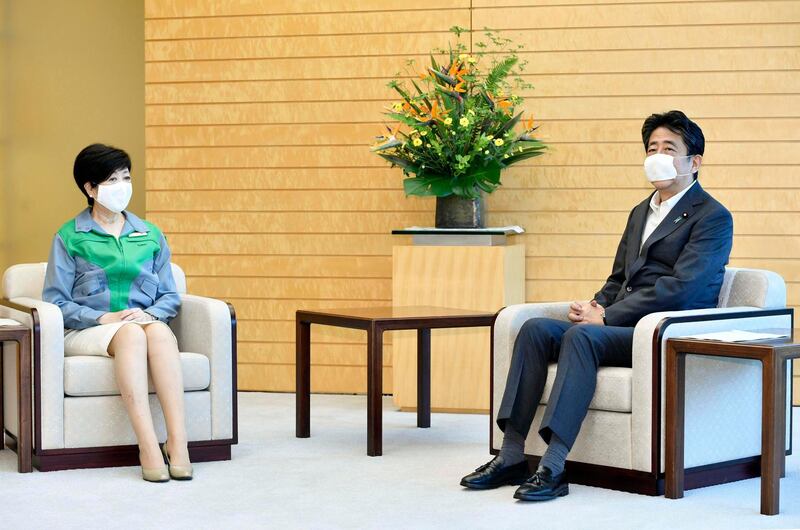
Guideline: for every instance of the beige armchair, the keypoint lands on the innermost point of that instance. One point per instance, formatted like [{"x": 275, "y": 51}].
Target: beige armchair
[
  {"x": 78, "y": 416},
  {"x": 620, "y": 445}
]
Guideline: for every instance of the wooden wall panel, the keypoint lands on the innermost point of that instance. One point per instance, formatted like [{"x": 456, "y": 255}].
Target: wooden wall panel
[{"x": 259, "y": 114}]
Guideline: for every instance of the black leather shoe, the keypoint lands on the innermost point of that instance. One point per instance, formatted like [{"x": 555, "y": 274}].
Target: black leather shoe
[
  {"x": 543, "y": 486},
  {"x": 495, "y": 474}
]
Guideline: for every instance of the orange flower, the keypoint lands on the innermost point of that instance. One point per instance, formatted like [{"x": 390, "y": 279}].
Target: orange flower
[
  {"x": 456, "y": 70},
  {"x": 529, "y": 123},
  {"x": 460, "y": 86},
  {"x": 435, "y": 112},
  {"x": 505, "y": 105}
]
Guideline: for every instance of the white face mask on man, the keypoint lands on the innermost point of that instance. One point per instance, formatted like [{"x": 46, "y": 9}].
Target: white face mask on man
[
  {"x": 115, "y": 196},
  {"x": 661, "y": 166}
]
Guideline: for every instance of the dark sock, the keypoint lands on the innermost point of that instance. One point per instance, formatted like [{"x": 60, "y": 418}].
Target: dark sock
[
  {"x": 556, "y": 455},
  {"x": 513, "y": 449}
]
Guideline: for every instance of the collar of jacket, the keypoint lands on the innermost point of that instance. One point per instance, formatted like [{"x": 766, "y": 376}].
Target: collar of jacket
[
  {"x": 85, "y": 223},
  {"x": 679, "y": 214}
]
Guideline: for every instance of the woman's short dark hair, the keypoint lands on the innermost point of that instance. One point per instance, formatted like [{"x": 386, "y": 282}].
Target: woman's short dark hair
[
  {"x": 95, "y": 163},
  {"x": 677, "y": 122}
]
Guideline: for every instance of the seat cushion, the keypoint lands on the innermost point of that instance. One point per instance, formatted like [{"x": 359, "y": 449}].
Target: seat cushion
[
  {"x": 93, "y": 375},
  {"x": 613, "y": 392}
]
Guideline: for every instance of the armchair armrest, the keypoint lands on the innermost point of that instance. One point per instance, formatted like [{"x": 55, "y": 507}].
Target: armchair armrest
[
  {"x": 47, "y": 348},
  {"x": 648, "y": 363},
  {"x": 208, "y": 326}
]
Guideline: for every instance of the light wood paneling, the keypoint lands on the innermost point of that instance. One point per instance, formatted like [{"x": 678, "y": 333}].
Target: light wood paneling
[
  {"x": 259, "y": 114},
  {"x": 478, "y": 278}
]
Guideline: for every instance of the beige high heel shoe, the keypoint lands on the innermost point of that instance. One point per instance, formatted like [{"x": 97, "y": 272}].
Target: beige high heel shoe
[
  {"x": 177, "y": 472},
  {"x": 155, "y": 474}
]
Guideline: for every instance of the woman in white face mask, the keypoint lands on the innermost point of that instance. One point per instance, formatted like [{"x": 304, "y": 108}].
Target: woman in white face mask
[{"x": 109, "y": 272}]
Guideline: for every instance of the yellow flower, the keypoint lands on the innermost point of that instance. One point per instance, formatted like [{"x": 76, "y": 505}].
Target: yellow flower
[
  {"x": 505, "y": 156},
  {"x": 486, "y": 152},
  {"x": 397, "y": 107},
  {"x": 423, "y": 133},
  {"x": 472, "y": 60},
  {"x": 498, "y": 142},
  {"x": 463, "y": 122},
  {"x": 448, "y": 121},
  {"x": 417, "y": 142},
  {"x": 427, "y": 145},
  {"x": 470, "y": 111}
]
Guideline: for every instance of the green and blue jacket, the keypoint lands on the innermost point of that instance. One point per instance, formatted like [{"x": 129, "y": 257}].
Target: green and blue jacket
[{"x": 90, "y": 272}]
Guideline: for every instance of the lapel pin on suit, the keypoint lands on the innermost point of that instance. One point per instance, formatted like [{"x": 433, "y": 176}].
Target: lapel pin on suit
[{"x": 677, "y": 220}]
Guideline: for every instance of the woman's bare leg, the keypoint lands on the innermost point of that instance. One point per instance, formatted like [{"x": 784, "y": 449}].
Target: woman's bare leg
[
  {"x": 165, "y": 369},
  {"x": 129, "y": 349}
]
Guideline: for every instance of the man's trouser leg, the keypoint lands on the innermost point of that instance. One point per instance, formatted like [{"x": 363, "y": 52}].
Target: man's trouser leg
[
  {"x": 537, "y": 345},
  {"x": 584, "y": 348}
]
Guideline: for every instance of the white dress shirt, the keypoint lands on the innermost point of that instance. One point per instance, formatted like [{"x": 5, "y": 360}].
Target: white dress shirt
[{"x": 659, "y": 211}]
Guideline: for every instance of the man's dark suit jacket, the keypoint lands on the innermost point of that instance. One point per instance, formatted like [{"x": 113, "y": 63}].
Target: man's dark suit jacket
[{"x": 681, "y": 265}]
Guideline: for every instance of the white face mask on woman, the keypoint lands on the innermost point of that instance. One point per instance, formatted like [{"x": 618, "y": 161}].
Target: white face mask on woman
[
  {"x": 115, "y": 196},
  {"x": 663, "y": 167}
]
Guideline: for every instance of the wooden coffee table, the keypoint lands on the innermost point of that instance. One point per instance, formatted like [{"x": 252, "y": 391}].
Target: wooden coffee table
[
  {"x": 773, "y": 355},
  {"x": 375, "y": 321},
  {"x": 22, "y": 336}
]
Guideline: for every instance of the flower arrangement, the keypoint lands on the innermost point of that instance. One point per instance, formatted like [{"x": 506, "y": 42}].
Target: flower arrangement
[{"x": 460, "y": 122}]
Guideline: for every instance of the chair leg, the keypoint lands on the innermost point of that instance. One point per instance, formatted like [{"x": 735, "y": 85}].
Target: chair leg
[{"x": 2, "y": 420}]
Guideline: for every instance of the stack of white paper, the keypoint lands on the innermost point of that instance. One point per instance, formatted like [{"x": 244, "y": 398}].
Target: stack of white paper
[{"x": 736, "y": 335}]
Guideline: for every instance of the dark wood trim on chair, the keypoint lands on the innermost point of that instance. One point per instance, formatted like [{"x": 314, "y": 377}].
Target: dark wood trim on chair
[
  {"x": 234, "y": 376},
  {"x": 652, "y": 482},
  {"x": 646, "y": 483},
  {"x": 491, "y": 381},
  {"x": 117, "y": 455}
]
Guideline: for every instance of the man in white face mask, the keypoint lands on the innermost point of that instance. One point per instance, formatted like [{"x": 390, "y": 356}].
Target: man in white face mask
[{"x": 671, "y": 257}]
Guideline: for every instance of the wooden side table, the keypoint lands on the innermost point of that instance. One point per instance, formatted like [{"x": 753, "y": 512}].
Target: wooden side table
[
  {"x": 375, "y": 321},
  {"x": 773, "y": 355},
  {"x": 22, "y": 336}
]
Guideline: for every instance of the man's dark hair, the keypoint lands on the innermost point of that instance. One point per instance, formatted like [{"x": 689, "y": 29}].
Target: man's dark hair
[
  {"x": 677, "y": 122},
  {"x": 95, "y": 163}
]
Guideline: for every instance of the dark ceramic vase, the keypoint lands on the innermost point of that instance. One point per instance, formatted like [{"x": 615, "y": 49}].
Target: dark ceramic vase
[{"x": 456, "y": 212}]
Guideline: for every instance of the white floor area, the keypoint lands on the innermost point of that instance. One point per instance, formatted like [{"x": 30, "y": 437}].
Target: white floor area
[{"x": 278, "y": 481}]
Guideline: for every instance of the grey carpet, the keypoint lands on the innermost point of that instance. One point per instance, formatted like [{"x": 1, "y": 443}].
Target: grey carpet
[{"x": 278, "y": 481}]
